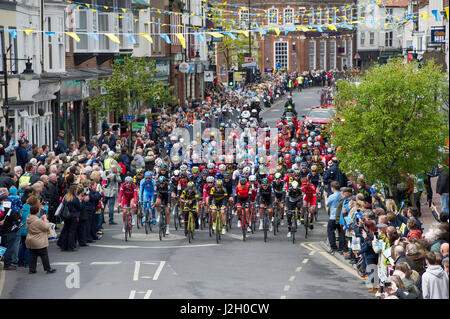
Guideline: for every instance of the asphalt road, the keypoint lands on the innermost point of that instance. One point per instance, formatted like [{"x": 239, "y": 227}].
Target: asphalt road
[{"x": 145, "y": 268}]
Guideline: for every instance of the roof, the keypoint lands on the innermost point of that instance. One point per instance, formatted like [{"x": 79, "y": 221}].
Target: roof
[{"x": 393, "y": 3}]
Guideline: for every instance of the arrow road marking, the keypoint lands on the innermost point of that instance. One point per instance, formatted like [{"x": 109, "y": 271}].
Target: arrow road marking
[{"x": 137, "y": 266}]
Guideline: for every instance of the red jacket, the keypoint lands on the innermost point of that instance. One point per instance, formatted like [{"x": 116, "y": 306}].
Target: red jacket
[{"x": 414, "y": 234}]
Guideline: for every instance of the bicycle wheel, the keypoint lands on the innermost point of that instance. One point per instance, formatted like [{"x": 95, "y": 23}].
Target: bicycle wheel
[
  {"x": 125, "y": 226},
  {"x": 189, "y": 228},
  {"x": 294, "y": 226},
  {"x": 175, "y": 217},
  {"x": 218, "y": 227},
  {"x": 253, "y": 219},
  {"x": 243, "y": 225},
  {"x": 306, "y": 221},
  {"x": 161, "y": 227},
  {"x": 265, "y": 225},
  {"x": 192, "y": 224},
  {"x": 146, "y": 224},
  {"x": 275, "y": 221},
  {"x": 209, "y": 223}
]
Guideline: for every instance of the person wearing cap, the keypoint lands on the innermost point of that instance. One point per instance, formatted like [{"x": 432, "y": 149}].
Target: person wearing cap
[
  {"x": 60, "y": 146},
  {"x": 110, "y": 191},
  {"x": 22, "y": 154}
]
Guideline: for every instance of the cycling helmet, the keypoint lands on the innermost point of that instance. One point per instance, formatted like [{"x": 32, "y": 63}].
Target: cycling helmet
[
  {"x": 313, "y": 168},
  {"x": 297, "y": 172},
  {"x": 304, "y": 145},
  {"x": 246, "y": 170},
  {"x": 140, "y": 171},
  {"x": 148, "y": 174},
  {"x": 294, "y": 145},
  {"x": 210, "y": 165},
  {"x": 287, "y": 156},
  {"x": 330, "y": 163},
  {"x": 163, "y": 166},
  {"x": 222, "y": 167},
  {"x": 289, "y": 171},
  {"x": 226, "y": 175},
  {"x": 128, "y": 179},
  {"x": 243, "y": 181},
  {"x": 176, "y": 172},
  {"x": 252, "y": 178},
  {"x": 310, "y": 144},
  {"x": 308, "y": 157},
  {"x": 277, "y": 176},
  {"x": 304, "y": 165},
  {"x": 304, "y": 180},
  {"x": 313, "y": 134},
  {"x": 173, "y": 138},
  {"x": 265, "y": 181},
  {"x": 158, "y": 161},
  {"x": 298, "y": 159},
  {"x": 317, "y": 144},
  {"x": 293, "y": 152},
  {"x": 205, "y": 172},
  {"x": 176, "y": 159},
  {"x": 315, "y": 158},
  {"x": 195, "y": 169},
  {"x": 294, "y": 184},
  {"x": 279, "y": 168},
  {"x": 210, "y": 179},
  {"x": 183, "y": 167},
  {"x": 329, "y": 151},
  {"x": 161, "y": 179},
  {"x": 190, "y": 185},
  {"x": 219, "y": 182}
]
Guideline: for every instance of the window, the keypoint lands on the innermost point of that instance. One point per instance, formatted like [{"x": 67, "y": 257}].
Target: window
[
  {"x": 136, "y": 32},
  {"x": 363, "y": 38},
  {"x": 332, "y": 55},
  {"x": 81, "y": 29},
  {"x": 103, "y": 26},
  {"x": 312, "y": 55},
  {"x": 288, "y": 16},
  {"x": 273, "y": 16},
  {"x": 322, "y": 16},
  {"x": 372, "y": 38},
  {"x": 334, "y": 15},
  {"x": 362, "y": 13},
  {"x": 388, "y": 39},
  {"x": 2, "y": 50},
  {"x": 243, "y": 17},
  {"x": 323, "y": 53},
  {"x": 350, "y": 52},
  {"x": 389, "y": 12},
  {"x": 312, "y": 17},
  {"x": 13, "y": 54},
  {"x": 281, "y": 54}
]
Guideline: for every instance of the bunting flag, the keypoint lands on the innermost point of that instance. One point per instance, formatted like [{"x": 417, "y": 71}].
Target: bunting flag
[
  {"x": 277, "y": 31},
  {"x": 50, "y": 34},
  {"x": 244, "y": 33},
  {"x": 216, "y": 34},
  {"x": 182, "y": 40},
  {"x": 166, "y": 38},
  {"x": 113, "y": 38},
  {"x": 74, "y": 36},
  {"x": 147, "y": 37},
  {"x": 231, "y": 35},
  {"x": 132, "y": 40},
  {"x": 28, "y": 31},
  {"x": 437, "y": 15},
  {"x": 331, "y": 27},
  {"x": 13, "y": 33},
  {"x": 201, "y": 38},
  {"x": 424, "y": 15},
  {"x": 447, "y": 12},
  {"x": 93, "y": 36}
]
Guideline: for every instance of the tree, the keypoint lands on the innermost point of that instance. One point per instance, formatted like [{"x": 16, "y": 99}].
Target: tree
[
  {"x": 131, "y": 83},
  {"x": 393, "y": 122}
]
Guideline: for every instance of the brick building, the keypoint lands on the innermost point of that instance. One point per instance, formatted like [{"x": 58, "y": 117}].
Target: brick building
[{"x": 300, "y": 50}]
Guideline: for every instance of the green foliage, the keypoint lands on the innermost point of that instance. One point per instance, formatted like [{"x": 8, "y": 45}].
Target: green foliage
[
  {"x": 394, "y": 121},
  {"x": 131, "y": 83}
]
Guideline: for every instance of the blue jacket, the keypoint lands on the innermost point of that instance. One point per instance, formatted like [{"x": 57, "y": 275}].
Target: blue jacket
[
  {"x": 75, "y": 207},
  {"x": 25, "y": 213},
  {"x": 367, "y": 249},
  {"x": 147, "y": 190},
  {"x": 21, "y": 156},
  {"x": 62, "y": 146},
  {"x": 92, "y": 205}
]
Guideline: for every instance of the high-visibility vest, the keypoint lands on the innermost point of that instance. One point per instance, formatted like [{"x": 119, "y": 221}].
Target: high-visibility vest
[{"x": 107, "y": 162}]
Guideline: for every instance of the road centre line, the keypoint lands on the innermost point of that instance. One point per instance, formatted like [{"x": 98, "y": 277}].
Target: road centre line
[
  {"x": 291, "y": 278},
  {"x": 65, "y": 263},
  {"x": 305, "y": 260},
  {"x": 137, "y": 266},
  {"x": 298, "y": 269},
  {"x": 158, "y": 271},
  {"x": 132, "y": 294},
  {"x": 283, "y": 297},
  {"x": 286, "y": 288}
]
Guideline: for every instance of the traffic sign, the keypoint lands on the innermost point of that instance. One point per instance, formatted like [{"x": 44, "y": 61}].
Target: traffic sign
[
  {"x": 357, "y": 56},
  {"x": 249, "y": 65},
  {"x": 209, "y": 76},
  {"x": 249, "y": 60},
  {"x": 136, "y": 126},
  {"x": 184, "y": 67},
  {"x": 278, "y": 65}
]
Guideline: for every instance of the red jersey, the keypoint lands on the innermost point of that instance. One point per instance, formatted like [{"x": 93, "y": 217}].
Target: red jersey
[
  {"x": 127, "y": 193},
  {"x": 309, "y": 190},
  {"x": 243, "y": 191}
]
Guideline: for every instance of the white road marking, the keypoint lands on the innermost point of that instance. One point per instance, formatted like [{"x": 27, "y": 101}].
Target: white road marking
[
  {"x": 106, "y": 262},
  {"x": 283, "y": 297},
  {"x": 286, "y": 288},
  {"x": 65, "y": 263},
  {"x": 147, "y": 294},
  {"x": 159, "y": 247},
  {"x": 298, "y": 269},
  {"x": 306, "y": 246},
  {"x": 312, "y": 252},
  {"x": 146, "y": 277},
  {"x": 292, "y": 278},
  {"x": 305, "y": 260},
  {"x": 158, "y": 271},
  {"x": 340, "y": 264},
  {"x": 132, "y": 294},
  {"x": 137, "y": 266}
]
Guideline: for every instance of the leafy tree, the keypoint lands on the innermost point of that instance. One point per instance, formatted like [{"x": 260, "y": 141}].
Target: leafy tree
[
  {"x": 131, "y": 84},
  {"x": 393, "y": 122}
]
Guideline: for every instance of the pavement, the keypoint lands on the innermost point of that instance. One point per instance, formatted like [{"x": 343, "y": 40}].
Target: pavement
[{"x": 146, "y": 268}]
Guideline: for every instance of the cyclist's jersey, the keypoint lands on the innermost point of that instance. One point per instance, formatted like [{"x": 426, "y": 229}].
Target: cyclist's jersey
[
  {"x": 278, "y": 188},
  {"x": 265, "y": 195},
  {"x": 314, "y": 179},
  {"x": 173, "y": 184},
  {"x": 190, "y": 197},
  {"x": 182, "y": 184},
  {"x": 137, "y": 180},
  {"x": 218, "y": 193},
  {"x": 206, "y": 191},
  {"x": 219, "y": 175},
  {"x": 163, "y": 192},
  {"x": 229, "y": 187},
  {"x": 243, "y": 191},
  {"x": 253, "y": 191},
  {"x": 304, "y": 173},
  {"x": 146, "y": 190},
  {"x": 127, "y": 193},
  {"x": 309, "y": 191},
  {"x": 199, "y": 185},
  {"x": 293, "y": 195}
]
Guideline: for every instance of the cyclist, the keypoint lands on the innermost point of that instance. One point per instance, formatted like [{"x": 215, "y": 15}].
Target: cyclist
[
  {"x": 139, "y": 176},
  {"x": 207, "y": 190},
  {"x": 309, "y": 191},
  {"x": 219, "y": 196},
  {"x": 194, "y": 176},
  {"x": 265, "y": 199},
  {"x": 293, "y": 200},
  {"x": 128, "y": 197},
  {"x": 146, "y": 193},
  {"x": 279, "y": 192},
  {"x": 163, "y": 198},
  {"x": 242, "y": 192},
  {"x": 173, "y": 186},
  {"x": 221, "y": 172},
  {"x": 189, "y": 200},
  {"x": 228, "y": 184}
]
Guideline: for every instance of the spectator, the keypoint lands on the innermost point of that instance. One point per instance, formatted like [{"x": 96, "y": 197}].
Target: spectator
[
  {"x": 400, "y": 256},
  {"x": 413, "y": 226},
  {"x": 369, "y": 255},
  {"x": 37, "y": 176},
  {"x": 403, "y": 270},
  {"x": 442, "y": 188},
  {"x": 333, "y": 223},
  {"x": 417, "y": 255},
  {"x": 434, "y": 280},
  {"x": 7, "y": 178},
  {"x": 24, "y": 252},
  {"x": 444, "y": 250},
  {"x": 37, "y": 240},
  {"x": 60, "y": 146},
  {"x": 110, "y": 191},
  {"x": 22, "y": 154},
  {"x": 66, "y": 239}
]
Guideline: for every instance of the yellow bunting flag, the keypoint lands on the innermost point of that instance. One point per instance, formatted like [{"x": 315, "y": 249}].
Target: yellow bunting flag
[
  {"x": 124, "y": 10},
  {"x": 106, "y": 7},
  {"x": 73, "y": 35},
  {"x": 447, "y": 12},
  {"x": 277, "y": 31},
  {"x": 244, "y": 33},
  {"x": 216, "y": 34},
  {"x": 147, "y": 37},
  {"x": 112, "y": 37},
  {"x": 28, "y": 31},
  {"x": 88, "y": 5},
  {"x": 424, "y": 15},
  {"x": 332, "y": 27},
  {"x": 182, "y": 40}
]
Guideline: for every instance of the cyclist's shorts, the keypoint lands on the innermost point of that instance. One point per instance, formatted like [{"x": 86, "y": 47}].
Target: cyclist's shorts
[
  {"x": 242, "y": 201},
  {"x": 146, "y": 205},
  {"x": 309, "y": 200},
  {"x": 164, "y": 200},
  {"x": 292, "y": 205},
  {"x": 219, "y": 203},
  {"x": 194, "y": 207},
  {"x": 266, "y": 201},
  {"x": 279, "y": 196},
  {"x": 126, "y": 202}
]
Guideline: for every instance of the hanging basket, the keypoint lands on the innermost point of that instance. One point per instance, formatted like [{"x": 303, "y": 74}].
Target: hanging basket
[{"x": 41, "y": 112}]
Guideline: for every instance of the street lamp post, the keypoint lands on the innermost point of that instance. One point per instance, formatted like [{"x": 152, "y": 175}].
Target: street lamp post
[{"x": 28, "y": 74}]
